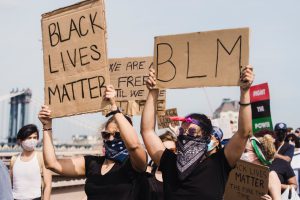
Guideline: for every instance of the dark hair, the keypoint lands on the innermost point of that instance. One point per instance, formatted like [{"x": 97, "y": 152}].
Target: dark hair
[
  {"x": 263, "y": 132},
  {"x": 205, "y": 122},
  {"x": 295, "y": 138},
  {"x": 113, "y": 120},
  {"x": 26, "y": 131},
  {"x": 167, "y": 136}
]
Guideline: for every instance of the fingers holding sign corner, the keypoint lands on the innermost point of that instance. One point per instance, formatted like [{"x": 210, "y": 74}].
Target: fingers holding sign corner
[
  {"x": 110, "y": 94},
  {"x": 247, "y": 77}
]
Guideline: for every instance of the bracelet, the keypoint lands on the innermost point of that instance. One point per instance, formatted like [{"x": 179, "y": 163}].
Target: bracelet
[
  {"x": 114, "y": 112},
  {"x": 47, "y": 129},
  {"x": 244, "y": 104}
]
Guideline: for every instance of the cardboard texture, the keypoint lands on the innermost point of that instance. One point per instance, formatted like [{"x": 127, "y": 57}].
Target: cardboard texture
[
  {"x": 136, "y": 107},
  {"x": 212, "y": 58},
  {"x": 75, "y": 58},
  {"x": 163, "y": 121},
  {"x": 247, "y": 181},
  {"x": 129, "y": 77}
]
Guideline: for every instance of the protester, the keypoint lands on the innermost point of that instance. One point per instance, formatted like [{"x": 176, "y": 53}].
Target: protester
[
  {"x": 113, "y": 176},
  {"x": 297, "y": 132},
  {"x": 292, "y": 139},
  {"x": 5, "y": 184},
  {"x": 261, "y": 150},
  {"x": 191, "y": 174},
  {"x": 215, "y": 140},
  {"x": 285, "y": 151},
  {"x": 153, "y": 173},
  {"x": 30, "y": 178}
]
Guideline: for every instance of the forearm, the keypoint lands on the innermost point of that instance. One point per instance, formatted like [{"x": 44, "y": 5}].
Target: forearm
[
  {"x": 47, "y": 192},
  {"x": 245, "y": 115},
  {"x": 286, "y": 158},
  {"x": 136, "y": 151},
  {"x": 149, "y": 112},
  {"x": 285, "y": 186},
  {"x": 48, "y": 150}
]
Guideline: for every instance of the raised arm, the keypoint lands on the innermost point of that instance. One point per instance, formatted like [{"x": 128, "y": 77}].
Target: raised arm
[
  {"x": 47, "y": 178},
  {"x": 152, "y": 142},
  {"x": 237, "y": 143},
  {"x": 138, "y": 156},
  {"x": 66, "y": 167}
]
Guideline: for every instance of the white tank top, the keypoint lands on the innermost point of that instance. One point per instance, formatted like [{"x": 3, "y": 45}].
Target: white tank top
[{"x": 27, "y": 179}]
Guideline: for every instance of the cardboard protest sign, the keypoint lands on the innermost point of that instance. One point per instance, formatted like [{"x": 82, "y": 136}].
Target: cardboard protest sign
[
  {"x": 136, "y": 107},
  {"x": 129, "y": 77},
  {"x": 212, "y": 58},
  {"x": 75, "y": 58},
  {"x": 260, "y": 106},
  {"x": 163, "y": 121},
  {"x": 247, "y": 181}
]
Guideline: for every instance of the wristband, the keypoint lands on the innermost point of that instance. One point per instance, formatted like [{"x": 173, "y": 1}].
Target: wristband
[
  {"x": 47, "y": 129},
  {"x": 114, "y": 112},
  {"x": 244, "y": 104}
]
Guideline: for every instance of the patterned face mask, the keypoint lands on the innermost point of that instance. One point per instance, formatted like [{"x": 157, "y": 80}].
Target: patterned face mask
[
  {"x": 190, "y": 152},
  {"x": 115, "y": 150}
]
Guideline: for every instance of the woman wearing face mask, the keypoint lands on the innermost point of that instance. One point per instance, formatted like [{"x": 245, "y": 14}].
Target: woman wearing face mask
[
  {"x": 154, "y": 178},
  {"x": 215, "y": 141},
  {"x": 191, "y": 174},
  {"x": 261, "y": 151},
  {"x": 30, "y": 178},
  {"x": 292, "y": 139},
  {"x": 113, "y": 176}
]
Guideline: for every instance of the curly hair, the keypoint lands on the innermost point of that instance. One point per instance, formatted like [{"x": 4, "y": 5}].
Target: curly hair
[{"x": 267, "y": 146}]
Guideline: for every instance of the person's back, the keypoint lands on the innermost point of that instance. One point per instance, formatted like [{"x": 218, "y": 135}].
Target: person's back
[{"x": 5, "y": 184}]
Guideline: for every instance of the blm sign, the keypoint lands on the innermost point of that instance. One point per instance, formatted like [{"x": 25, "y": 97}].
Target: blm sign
[
  {"x": 75, "y": 59},
  {"x": 260, "y": 106}
]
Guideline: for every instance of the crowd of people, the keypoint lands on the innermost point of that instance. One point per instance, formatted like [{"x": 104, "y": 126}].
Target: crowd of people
[{"x": 189, "y": 164}]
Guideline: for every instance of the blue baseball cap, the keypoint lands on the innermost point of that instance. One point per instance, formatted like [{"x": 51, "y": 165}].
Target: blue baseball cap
[{"x": 217, "y": 132}]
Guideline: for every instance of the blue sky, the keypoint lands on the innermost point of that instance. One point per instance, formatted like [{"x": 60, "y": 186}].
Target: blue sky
[{"x": 132, "y": 25}]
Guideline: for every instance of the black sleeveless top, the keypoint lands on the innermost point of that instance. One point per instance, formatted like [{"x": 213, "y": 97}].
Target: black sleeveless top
[
  {"x": 120, "y": 183},
  {"x": 156, "y": 189}
]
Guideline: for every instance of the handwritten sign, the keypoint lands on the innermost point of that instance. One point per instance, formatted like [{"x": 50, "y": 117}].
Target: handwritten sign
[
  {"x": 163, "y": 121},
  {"x": 136, "y": 107},
  {"x": 129, "y": 77},
  {"x": 247, "y": 181},
  {"x": 212, "y": 58},
  {"x": 260, "y": 106},
  {"x": 75, "y": 58}
]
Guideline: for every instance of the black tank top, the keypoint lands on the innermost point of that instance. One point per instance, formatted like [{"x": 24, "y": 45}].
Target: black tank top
[{"x": 120, "y": 183}]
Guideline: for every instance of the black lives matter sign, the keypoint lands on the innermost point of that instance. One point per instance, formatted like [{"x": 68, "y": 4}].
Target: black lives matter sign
[
  {"x": 213, "y": 58},
  {"x": 75, "y": 58}
]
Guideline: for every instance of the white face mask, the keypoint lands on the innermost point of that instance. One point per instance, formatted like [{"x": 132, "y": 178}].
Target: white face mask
[
  {"x": 29, "y": 145},
  {"x": 245, "y": 157}
]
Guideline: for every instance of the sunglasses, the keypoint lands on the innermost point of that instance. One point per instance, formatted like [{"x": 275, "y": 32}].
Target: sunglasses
[
  {"x": 191, "y": 131},
  {"x": 106, "y": 135}
]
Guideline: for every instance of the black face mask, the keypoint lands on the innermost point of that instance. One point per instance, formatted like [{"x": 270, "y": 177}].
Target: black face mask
[
  {"x": 191, "y": 152},
  {"x": 280, "y": 136}
]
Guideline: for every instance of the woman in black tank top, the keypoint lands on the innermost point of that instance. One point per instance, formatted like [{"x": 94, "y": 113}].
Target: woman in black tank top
[
  {"x": 153, "y": 172},
  {"x": 112, "y": 176}
]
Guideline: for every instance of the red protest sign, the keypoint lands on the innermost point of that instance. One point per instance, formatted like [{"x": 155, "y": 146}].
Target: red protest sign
[{"x": 259, "y": 92}]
